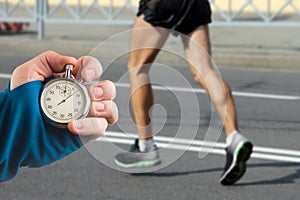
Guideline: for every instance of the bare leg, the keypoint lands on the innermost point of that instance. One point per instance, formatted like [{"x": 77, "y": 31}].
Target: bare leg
[
  {"x": 146, "y": 42},
  {"x": 197, "y": 49}
]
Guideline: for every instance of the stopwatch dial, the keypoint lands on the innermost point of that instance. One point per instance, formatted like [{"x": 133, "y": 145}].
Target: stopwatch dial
[
  {"x": 63, "y": 100},
  {"x": 65, "y": 90}
]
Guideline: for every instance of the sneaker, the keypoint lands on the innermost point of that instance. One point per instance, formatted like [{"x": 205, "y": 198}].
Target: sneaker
[
  {"x": 237, "y": 154},
  {"x": 136, "y": 158}
]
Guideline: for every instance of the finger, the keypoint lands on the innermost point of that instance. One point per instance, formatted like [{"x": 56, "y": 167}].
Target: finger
[
  {"x": 87, "y": 68},
  {"x": 51, "y": 62},
  {"x": 104, "y": 90},
  {"x": 91, "y": 127},
  {"x": 106, "y": 109},
  {"x": 40, "y": 67}
]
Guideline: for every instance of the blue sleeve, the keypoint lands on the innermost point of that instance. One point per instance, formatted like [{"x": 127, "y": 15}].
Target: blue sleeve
[{"x": 25, "y": 138}]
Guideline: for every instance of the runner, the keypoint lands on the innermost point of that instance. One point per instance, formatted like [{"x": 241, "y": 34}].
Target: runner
[{"x": 189, "y": 17}]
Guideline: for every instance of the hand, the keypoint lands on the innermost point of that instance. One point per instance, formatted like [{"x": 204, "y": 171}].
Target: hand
[{"x": 103, "y": 111}]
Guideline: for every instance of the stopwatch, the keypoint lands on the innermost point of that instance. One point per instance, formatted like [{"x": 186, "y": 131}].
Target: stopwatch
[{"x": 64, "y": 99}]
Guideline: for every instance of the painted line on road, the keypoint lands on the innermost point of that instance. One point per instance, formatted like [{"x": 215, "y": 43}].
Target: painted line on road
[
  {"x": 182, "y": 89},
  {"x": 203, "y": 143},
  {"x": 197, "y": 145},
  {"x": 265, "y": 153},
  {"x": 5, "y": 76},
  {"x": 240, "y": 94}
]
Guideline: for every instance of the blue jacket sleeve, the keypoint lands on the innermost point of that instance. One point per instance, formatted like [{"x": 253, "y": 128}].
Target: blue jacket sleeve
[{"x": 26, "y": 139}]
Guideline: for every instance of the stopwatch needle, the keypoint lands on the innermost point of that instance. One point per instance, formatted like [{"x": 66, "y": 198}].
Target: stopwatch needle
[{"x": 64, "y": 100}]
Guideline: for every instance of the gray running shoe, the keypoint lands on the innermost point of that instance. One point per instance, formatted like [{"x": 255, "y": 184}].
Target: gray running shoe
[
  {"x": 237, "y": 154},
  {"x": 136, "y": 158}
]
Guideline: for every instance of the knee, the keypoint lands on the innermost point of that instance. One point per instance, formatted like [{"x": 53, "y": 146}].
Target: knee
[
  {"x": 216, "y": 87},
  {"x": 199, "y": 79},
  {"x": 132, "y": 64},
  {"x": 136, "y": 67}
]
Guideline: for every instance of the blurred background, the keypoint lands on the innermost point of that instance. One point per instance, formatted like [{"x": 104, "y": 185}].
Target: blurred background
[
  {"x": 258, "y": 33},
  {"x": 256, "y": 46}
]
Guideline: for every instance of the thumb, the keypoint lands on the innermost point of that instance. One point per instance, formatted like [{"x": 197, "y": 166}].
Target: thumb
[{"x": 39, "y": 68}]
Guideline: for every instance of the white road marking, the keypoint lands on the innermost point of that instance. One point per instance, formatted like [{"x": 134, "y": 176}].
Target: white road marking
[
  {"x": 197, "y": 145},
  {"x": 5, "y": 76},
  {"x": 203, "y": 143},
  {"x": 266, "y": 153},
  {"x": 241, "y": 94},
  {"x": 182, "y": 89}
]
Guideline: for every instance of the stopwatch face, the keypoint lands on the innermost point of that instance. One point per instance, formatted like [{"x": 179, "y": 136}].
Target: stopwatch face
[{"x": 63, "y": 100}]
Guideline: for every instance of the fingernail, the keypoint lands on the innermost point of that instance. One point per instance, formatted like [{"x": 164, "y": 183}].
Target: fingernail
[
  {"x": 98, "y": 92},
  {"x": 90, "y": 74},
  {"x": 78, "y": 125},
  {"x": 99, "y": 107}
]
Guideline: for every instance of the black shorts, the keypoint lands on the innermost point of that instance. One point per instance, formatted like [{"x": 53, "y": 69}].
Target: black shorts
[{"x": 183, "y": 16}]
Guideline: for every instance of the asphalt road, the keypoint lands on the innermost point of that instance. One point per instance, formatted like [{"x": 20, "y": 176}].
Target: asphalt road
[{"x": 271, "y": 121}]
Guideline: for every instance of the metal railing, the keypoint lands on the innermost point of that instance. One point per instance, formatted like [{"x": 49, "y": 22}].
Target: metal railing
[{"x": 225, "y": 12}]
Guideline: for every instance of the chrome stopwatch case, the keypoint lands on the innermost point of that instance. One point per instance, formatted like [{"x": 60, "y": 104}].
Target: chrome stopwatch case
[{"x": 64, "y": 99}]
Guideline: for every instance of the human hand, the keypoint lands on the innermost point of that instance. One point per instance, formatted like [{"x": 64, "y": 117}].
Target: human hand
[{"x": 103, "y": 110}]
